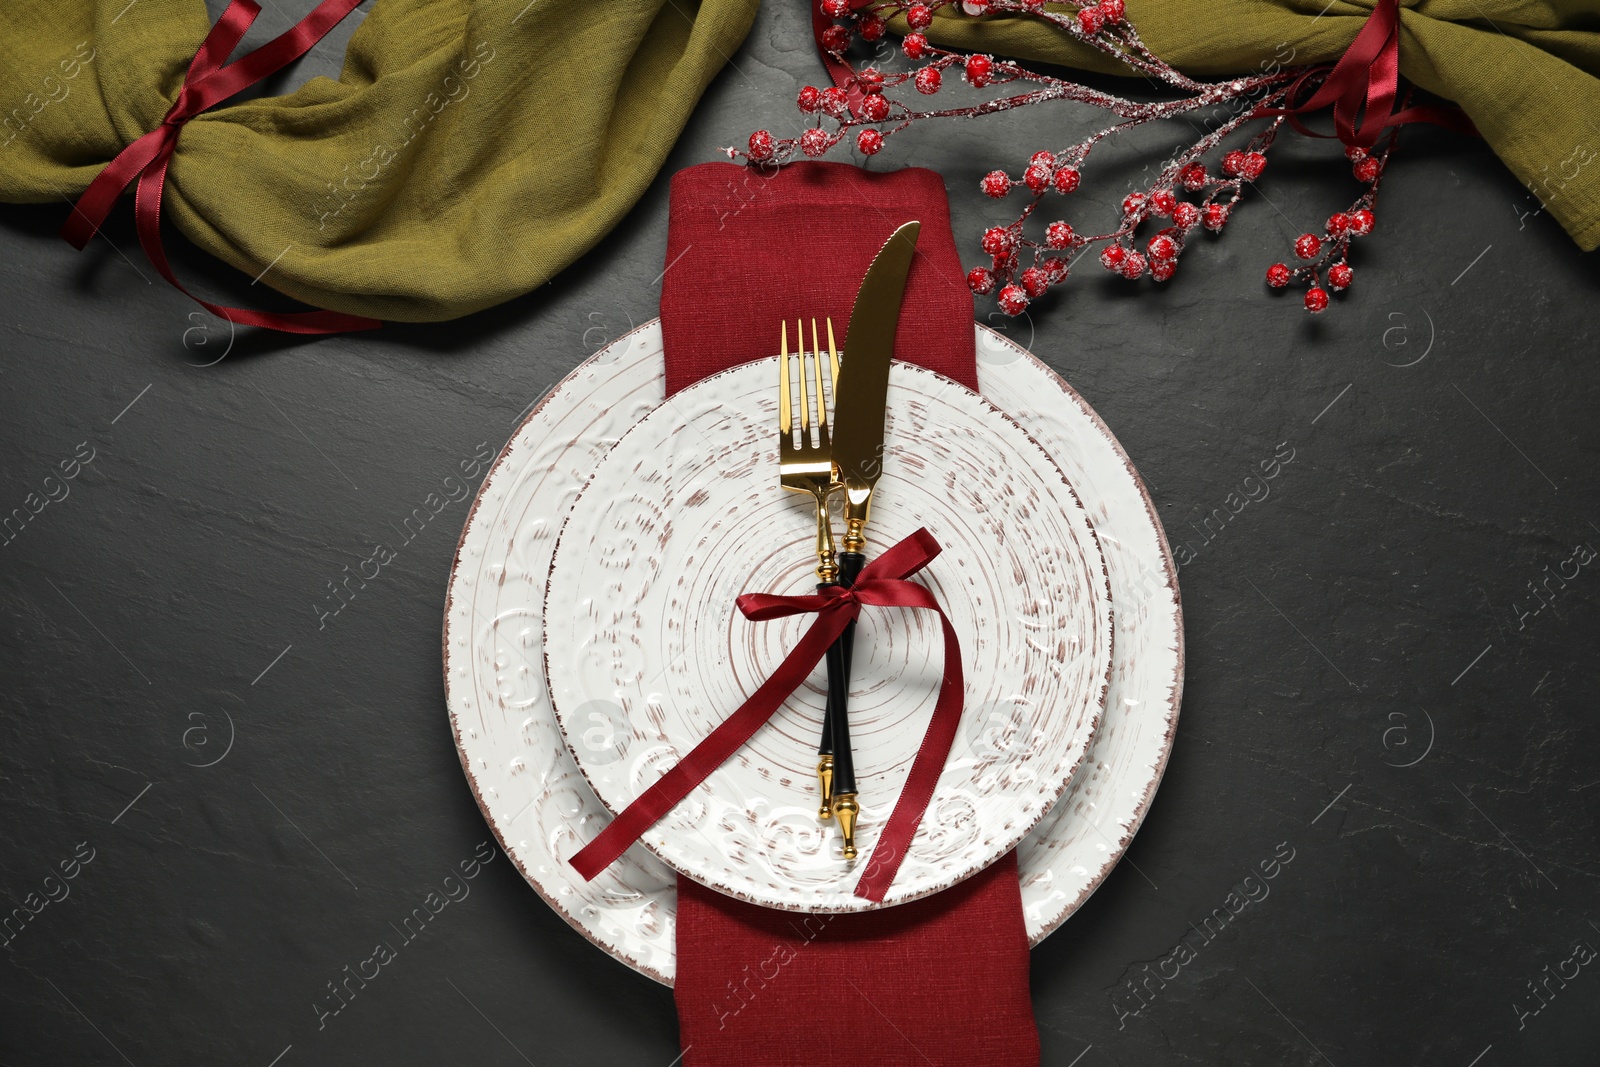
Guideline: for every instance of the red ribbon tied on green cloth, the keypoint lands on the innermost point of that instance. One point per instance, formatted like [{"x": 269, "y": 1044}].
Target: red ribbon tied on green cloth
[
  {"x": 207, "y": 83},
  {"x": 882, "y": 583},
  {"x": 1365, "y": 83}
]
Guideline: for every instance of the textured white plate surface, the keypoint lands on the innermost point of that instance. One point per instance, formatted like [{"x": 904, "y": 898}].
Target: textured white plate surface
[
  {"x": 532, "y": 793},
  {"x": 646, "y": 653}
]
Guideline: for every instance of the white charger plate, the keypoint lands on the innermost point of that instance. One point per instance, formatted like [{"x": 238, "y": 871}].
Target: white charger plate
[
  {"x": 532, "y": 793},
  {"x": 645, "y": 652}
]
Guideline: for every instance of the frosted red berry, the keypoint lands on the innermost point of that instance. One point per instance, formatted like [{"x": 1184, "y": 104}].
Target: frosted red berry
[
  {"x": 997, "y": 240},
  {"x": 870, "y": 79},
  {"x": 1233, "y": 164},
  {"x": 1090, "y": 20},
  {"x": 1316, "y": 300},
  {"x": 1338, "y": 224},
  {"x": 1055, "y": 268},
  {"x": 810, "y": 99},
  {"x": 1340, "y": 275},
  {"x": 981, "y": 280},
  {"x": 870, "y": 142},
  {"x": 1162, "y": 269},
  {"x": 1043, "y": 159},
  {"x": 914, "y": 45},
  {"x": 1354, "y": 153},
  {"x": 919, "y": 16},
  {"x": 1113, "y": 10},
  {"x": 874, "y": 107},
  {"x": 1307, "y": 245},
  {"x": 1162, "y": 246},
  {"x": 1133, "y": 265},
  {"x": 1367, "y": 169},
  {"x": 815, "y": 141},
  {"x": 871, "y": 27},
  {"x": 1193, "y": 177},
  {"x": 1361, "y": 222},
  {"x": 1111, "y": 257},
  {"x": 1252, "y": 166},
  {"x": 836, "y": 9},
  {"x": 995, "y": 184},
  {"x": 927, "y": 80},
  {"x": 1035, "y": 282},
  {"x": 836, "y": 38},
  {"x": 1036, "y": 177},
  {"x": 761, "y": 146},
  {"x": 1132, "y": 204},
  {"x": 979, "y": 70},
  {"x": 1058, "y": 235},
  {"x": 1066, "y": 179},
  {"x": 1013, "y": 301},
  {"x": 1215, "y": 216},
  {"x": 1186, "y": 215},
  {"x": 1162, "y": 202},
  {"x": 1278, "y": 275},
  {"x": 835, "y": 100}
]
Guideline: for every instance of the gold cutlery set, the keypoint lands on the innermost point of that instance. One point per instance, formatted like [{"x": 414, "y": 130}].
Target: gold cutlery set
[{"x": 820, "y": 460}]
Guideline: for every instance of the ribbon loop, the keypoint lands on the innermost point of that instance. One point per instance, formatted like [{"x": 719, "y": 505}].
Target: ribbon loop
[
  {"x": 207, "y": 83},
  {"x": 883, "y": 582},
  {"x": 1363, "y": 86}
]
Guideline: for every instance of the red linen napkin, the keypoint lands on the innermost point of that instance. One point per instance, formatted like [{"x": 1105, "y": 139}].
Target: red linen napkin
[
  {"x": 942, "y": 980},
  {"x": 747, "y": 250}
]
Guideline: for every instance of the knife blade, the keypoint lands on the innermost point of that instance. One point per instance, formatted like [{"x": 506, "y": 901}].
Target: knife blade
[
  {"x": 860, "y": 397},
  {"x": 863, "y": 387}
]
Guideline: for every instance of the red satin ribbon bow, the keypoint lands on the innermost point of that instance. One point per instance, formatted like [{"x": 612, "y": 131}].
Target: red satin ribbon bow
[
  {"x": 1366, "y": 82},
  {"x": 882, "y": 583},
  {"x": 206, "y": 84}
]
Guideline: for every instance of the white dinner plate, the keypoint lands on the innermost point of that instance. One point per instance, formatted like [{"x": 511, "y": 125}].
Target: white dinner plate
[
  {"x": 532, "y": 793},
  {"x": 645, "y": 652}
]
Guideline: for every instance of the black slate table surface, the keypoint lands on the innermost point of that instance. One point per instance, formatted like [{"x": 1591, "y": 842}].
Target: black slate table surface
[{"x": 1371, "y": 684}]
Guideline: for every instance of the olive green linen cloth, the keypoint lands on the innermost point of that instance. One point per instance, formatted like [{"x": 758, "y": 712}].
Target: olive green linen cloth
[
  {"x": 470, "y": 151},
  {"x": 1526, "y": 73},
  {"x": 467, "y": 153}
]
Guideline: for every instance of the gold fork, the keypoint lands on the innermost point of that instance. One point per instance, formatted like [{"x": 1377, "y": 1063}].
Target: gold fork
[{"x": 806, "y": 466}]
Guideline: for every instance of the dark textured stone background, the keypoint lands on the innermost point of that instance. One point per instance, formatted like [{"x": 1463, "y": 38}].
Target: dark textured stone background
[{"x": 1363, "y": 617}]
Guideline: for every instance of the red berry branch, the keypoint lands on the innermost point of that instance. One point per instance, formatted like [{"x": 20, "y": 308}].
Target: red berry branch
[{"x": 1183, "y": 197}]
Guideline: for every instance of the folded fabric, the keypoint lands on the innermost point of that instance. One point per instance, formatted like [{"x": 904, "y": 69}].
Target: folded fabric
[
  {"x": 747, "y": 250},
  {"x": 467, "y": 153},
  {"x": 1526, "y": 74},
  {"x": 941, "y": 980}
]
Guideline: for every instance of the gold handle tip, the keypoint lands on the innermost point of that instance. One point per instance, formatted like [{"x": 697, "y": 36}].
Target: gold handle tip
[
  {"x": 825, "y": 777},
  {"x": 846, "y": 810}
]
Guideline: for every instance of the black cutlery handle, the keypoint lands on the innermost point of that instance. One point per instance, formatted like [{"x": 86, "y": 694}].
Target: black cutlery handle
[
  {"x": 838, "y": 718},
  {"x": 836, "y": 669}
]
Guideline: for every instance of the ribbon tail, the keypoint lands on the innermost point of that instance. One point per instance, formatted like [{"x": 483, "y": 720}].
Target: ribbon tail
[
  {"x": 734, "y": 731},
  {"x": 839, "y": 69},
  {"x": 147, "y": 218},
  {"x": 90, "y": 211},
  {"x": 277, "y": 53},
  {"x": 890, "y": 851}
]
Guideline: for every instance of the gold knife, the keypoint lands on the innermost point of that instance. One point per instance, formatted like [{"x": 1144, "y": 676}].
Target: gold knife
[{"x": 857, "y": 451}]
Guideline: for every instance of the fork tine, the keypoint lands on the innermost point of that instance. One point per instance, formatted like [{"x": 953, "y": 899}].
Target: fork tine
[
  {"x": 785, "y": 412},
  {"x": 805, "y": 400},
  {"x": 822, "y": 400},
  {"x": 833, "y": 354}
]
